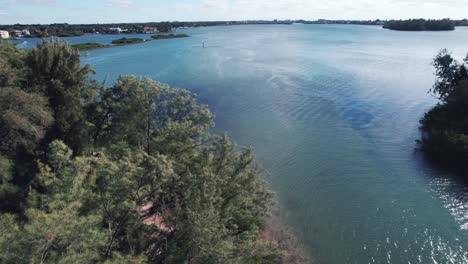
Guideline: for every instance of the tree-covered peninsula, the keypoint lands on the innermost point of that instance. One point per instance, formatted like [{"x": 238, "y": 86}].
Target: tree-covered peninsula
[
  {"x": 121, "y": 174},
  {"x": 127, "y": 41},
  {"x": 169, "y": 36},
  {"x": 445, "y": 127},
  {"x": 420, "y": 25},
  {"x": 89, "y": 46}
]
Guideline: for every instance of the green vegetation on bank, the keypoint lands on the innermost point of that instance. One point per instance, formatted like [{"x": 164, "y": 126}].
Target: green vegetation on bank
[
  {"x": 121, "y": 174},
  {"x": 170, "y": 36},
  {"x": 89, "y": 46},
  {"x": 420, "y": 25},
  {"x": 125, "y": 41},
  {"x": 445, "y": 127}
]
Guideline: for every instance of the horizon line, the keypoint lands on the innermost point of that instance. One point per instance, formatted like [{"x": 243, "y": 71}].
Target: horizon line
[{"x": 245, "y": 20}]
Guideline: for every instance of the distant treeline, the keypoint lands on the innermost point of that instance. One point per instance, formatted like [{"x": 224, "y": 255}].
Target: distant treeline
[
  {"x": 422, "y": 24},
  {"x": 461, "y": 23},
  {"x": 343, "y": 22},
  {"x": 68, "y": 30}
]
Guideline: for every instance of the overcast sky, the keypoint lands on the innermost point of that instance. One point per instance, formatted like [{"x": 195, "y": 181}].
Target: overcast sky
[{"x": 103, "y": 11}]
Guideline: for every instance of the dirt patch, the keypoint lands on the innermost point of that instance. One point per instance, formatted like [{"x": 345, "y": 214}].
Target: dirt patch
[
  {"x": 153, "y": 219},
  {"x": 278, "y": 233}
]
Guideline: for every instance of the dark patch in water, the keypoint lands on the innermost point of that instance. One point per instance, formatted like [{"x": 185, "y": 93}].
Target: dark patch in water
[{"x": 358, "y": 118}]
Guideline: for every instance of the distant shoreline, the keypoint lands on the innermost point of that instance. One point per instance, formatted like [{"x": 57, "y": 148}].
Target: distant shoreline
[{"x": 70, "y": 30}]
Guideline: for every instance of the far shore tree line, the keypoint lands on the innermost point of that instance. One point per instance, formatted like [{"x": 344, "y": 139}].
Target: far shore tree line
[{"x": 70, "y": 30}]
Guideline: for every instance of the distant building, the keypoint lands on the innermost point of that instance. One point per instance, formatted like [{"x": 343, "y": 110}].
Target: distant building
[
  {"x": 17, "y": 33},
  {"x": 20, "y": 33},
  {"x": 116, "y": 30},
  {"x": 150, "y": 30},
  {"x": 4, "y": 34}
]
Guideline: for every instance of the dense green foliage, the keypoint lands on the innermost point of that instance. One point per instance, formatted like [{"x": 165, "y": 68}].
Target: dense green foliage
[
  {"x": 420, "y": 25},
  {"x": 89, "y": 46},
  {"x": 445, "y": 127},
  {"x": 120, "y": 174},
  {"x": 123, "y": 41},
  {"x": 24, "y": 121},
  {"x": 54, "y": 70},
  {"x": 170, "y": 36}
]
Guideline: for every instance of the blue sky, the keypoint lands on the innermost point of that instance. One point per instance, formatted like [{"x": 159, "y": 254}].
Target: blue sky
[{"x": 103, "y": 11}]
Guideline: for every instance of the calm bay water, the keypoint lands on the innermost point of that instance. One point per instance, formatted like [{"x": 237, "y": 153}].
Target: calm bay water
[{"x": 333, "y": 114}]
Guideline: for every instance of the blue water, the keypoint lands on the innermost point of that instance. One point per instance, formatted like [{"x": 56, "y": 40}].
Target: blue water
[{"x": 333, "y": 112}]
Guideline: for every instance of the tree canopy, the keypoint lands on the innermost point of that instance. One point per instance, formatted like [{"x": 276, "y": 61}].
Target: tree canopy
[
  {"x": 445, "y": 127},
  {"x": 120, "y": 174}
]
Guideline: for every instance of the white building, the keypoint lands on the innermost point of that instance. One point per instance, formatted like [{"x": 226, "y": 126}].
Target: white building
[
  {"x": 4, "y": 34},
  {"x": 116, "y": 30}
]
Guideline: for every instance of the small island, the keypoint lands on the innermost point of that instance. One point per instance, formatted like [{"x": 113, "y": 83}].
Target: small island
[
  {"x": 170, "y": 36},
  {"x": 420, "y": 25},
  {"x": 89, "y": 46},
  {"x": 126, "y": 41},
  {"x": 115, "y": 43}
]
